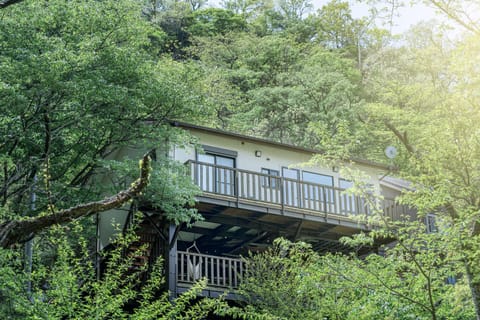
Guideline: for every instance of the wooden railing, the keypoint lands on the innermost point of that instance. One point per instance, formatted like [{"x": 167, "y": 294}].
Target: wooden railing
[
  {"x": 285, "y": 192},
  {"x": 219, "y": 271}
]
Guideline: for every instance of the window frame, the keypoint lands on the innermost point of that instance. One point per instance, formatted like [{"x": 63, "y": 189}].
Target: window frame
[
  {"x": 273, "y": 180},
  {"x": 318, "y": 174},
  {"x": 431, "y": 223},
  {"x": 218, "y": 182}
]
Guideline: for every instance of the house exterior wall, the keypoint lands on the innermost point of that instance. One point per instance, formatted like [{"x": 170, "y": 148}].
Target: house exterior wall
[
  {"x": 109, "y": 224},
  {"x": 272, "y": 156},
  {"x": 388, "y": 192},
  {"x": 112, "y": 221}
]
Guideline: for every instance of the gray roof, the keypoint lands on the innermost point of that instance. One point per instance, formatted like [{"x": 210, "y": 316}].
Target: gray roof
[{"x": 396, "y": 183}]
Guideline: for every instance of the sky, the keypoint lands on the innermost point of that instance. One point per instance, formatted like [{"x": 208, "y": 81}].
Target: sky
[{"x": 408, "y": 15}]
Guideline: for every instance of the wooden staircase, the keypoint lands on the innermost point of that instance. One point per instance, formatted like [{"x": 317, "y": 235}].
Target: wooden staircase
[
  {"x": 140, "y": 252},
  {"x": 147, "y": 248}
]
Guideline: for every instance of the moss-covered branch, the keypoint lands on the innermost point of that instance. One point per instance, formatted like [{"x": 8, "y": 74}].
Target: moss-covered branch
[
  {"x": 18, "y": 231},
  {"x": 6, "y": 3}
]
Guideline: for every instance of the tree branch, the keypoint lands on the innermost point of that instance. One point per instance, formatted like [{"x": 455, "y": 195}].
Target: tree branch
[
  {"x": 6, "y": 3},
  {"x": 452, "y": 14},
  {"x": 18, "y": 231},
  {"x": 402, "y": 137}
]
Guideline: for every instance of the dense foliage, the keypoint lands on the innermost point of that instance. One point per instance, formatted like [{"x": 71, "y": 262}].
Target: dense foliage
[
  {"x": 64, "y": 285},
  {"x": 291, "y": 281},
  {"x": 80, "y": 80}
]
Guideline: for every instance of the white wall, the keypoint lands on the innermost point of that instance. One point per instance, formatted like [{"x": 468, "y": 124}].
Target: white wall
[
  {"x": 273, "y": 156},
  {"x": 111, "y": 221}
]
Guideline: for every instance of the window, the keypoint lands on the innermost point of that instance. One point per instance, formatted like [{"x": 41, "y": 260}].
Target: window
[
  {"x": 317, "y": 178},
  {"x": 431, "y": 223},
  {"x": 214, "y": 173},
  {"x": 290, "y": 186},
  {"x": 270, "y": 182},
  {"x": 290, "y": 173},
  {"x": 318, "y": 191},
  {"x": 347, "y": 201},
  {"x": 451, "y": 280}
]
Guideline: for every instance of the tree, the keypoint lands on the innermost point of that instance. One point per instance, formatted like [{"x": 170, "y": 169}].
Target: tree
[
  {"x": 80, "y": 81},
  {"x": 65, "y": 285},
  {"x": 278, "y": 88},
  {"x": 17, "y": 231},
  {"x": 248, "y": 9},
  {"x": 7, "y": 3},
  {"x": 425, "y": 98},
  {"x": 464, "y": 13},
  {"x": 291, "y": 281},
  {"x": 212, "y": 21},
  {"x": 335, "y": 25},
  {"x": 278, "y": 281},
  {"x": 281, "y": 74}
]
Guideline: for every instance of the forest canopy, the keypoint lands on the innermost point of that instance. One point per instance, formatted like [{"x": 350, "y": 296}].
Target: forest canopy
[{"x": 80, "y": 80}]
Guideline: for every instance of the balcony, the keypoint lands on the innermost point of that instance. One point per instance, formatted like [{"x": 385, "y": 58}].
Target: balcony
[
  {"x": 278, "y": 195},
  {"x": 220, "y": 272},
  {"x": 244, "y": 210}
]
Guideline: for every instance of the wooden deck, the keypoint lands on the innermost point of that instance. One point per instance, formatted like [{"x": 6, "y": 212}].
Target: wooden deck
[
  {"x": 220, "y": 272},
  {"x": 256, "y": 191},
  {"x": 223, "y": 274},
  {"x": 244, "y": 211}
]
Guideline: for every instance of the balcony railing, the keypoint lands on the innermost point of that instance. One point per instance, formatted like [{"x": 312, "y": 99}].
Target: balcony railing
[
  {"x": 285, "y": 192},
  {"x": 220, "y": 272}
]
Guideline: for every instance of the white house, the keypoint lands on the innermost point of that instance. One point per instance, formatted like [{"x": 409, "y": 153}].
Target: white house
[{"x": 254, "y": 190}]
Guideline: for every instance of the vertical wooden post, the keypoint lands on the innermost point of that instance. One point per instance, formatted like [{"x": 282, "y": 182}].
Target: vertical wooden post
[
  {"x": 282, "y": 195},
  {"x": 236, "y": 184},
  {"x": 300, "y": 199},
  {"x": 172, "y": 261}
]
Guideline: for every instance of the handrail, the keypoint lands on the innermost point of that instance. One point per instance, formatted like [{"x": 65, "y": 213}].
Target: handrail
[
  {"x": 219, "y": 271},
  {"x": 285, "y": 192},
  {"x": 266, "y": 175}
]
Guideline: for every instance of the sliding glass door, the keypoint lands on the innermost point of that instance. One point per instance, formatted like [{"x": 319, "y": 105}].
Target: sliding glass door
[
  {"x": 290, "y": 186},
  {"x": 217, "y": 174},
  {"x": 318, "y": 193}
]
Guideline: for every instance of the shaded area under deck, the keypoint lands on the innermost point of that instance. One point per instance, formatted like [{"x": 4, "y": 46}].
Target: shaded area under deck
[{"x": 245, "y": 210}]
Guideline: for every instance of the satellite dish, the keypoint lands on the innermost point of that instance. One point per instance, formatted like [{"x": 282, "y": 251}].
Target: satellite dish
[{"x": 391, "y": 152}]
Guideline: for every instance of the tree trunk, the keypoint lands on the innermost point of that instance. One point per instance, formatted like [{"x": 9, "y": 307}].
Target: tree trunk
[
  {"x": 6, "y": 3},
  {"x": 18, "y": 231},
  {"x": 470, "y": 274},
  {"x": 474, "y": 289}
]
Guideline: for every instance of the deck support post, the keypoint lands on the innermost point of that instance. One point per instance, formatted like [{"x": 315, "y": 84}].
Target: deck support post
[
  {"x": 298, "y": 231},
  {"x": 172, "y": 261}
]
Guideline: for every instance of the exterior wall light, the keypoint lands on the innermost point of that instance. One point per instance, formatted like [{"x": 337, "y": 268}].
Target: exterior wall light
[{"x": 258, "y": 153}]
